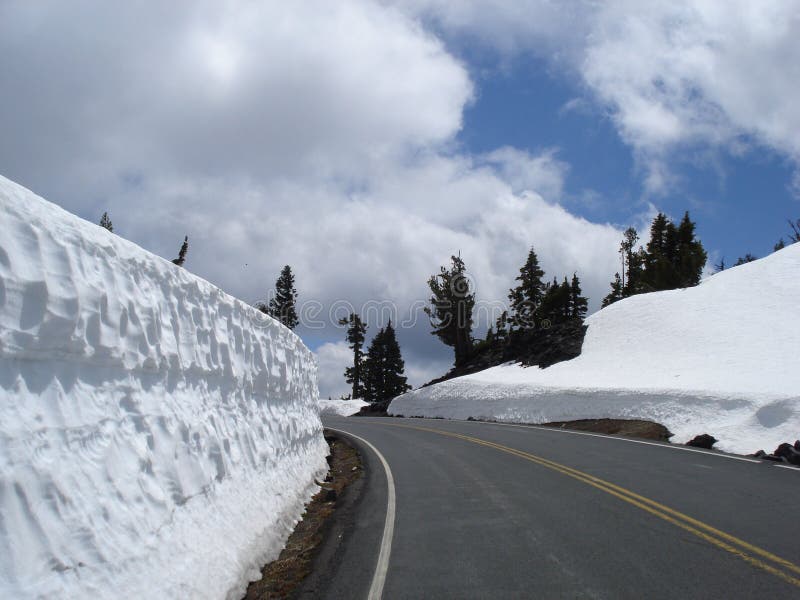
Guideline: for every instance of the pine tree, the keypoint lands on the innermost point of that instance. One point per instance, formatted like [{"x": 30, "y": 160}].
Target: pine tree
[
  {"x": 373, "y": 368},
  {"x": 501, "y": 326},
  {"x": 794, "y": 236},
  {"x": 659, "y": 261},
  {"x": 356, "y": 334},
  {"x": 616, "y": 293},
  {"x": 579, "y": 304},
  {"x": 528, "y": 295},
  {"x": 745, "y": 259},
  {"x": 779, "y": 246},
  {"x": 105, "y": 221},
  {"x": 691, "y": 257},
  {"x": 452, "y": 303},
  {"x": 384, "y": 368},
  {"x": 394, "y": 379},
  {"x": 720, "y": 266},
  {"x": 632, "y": 263},
  {"x": 182, "y": 252},
  {"x": 282, "y": 304}
]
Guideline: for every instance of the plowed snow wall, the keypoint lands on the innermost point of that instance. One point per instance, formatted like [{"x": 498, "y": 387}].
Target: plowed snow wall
[{"x": 158, "y": 437}]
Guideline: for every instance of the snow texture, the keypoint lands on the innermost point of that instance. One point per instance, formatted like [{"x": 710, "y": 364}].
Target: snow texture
[
  {"x": 342, "y": 408},
  {"x": 158, "y": 438},
  {"x": 719, "y": 358}
]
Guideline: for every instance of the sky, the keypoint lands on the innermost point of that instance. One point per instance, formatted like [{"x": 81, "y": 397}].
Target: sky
[{"x": 364, "y": 142}]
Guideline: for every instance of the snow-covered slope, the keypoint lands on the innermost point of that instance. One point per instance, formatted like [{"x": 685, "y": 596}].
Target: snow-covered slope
[
  {"x": 342, "y": 408},
  {"x": 158, "y": 438},
  {"x": 720, "y": 358}
]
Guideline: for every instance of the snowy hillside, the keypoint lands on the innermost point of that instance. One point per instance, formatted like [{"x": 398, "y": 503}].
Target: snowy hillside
[
  {"x": 342, "y": 408},
  {"x": 158, "y": 438},
  {"x": 719, "y": 358}
]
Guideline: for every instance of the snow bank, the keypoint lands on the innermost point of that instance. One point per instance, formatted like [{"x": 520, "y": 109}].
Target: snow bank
[
  {"x": 343, "y": 408},
  {"x": 719, "y": 358},
  {"x": 158, "y": 438}
]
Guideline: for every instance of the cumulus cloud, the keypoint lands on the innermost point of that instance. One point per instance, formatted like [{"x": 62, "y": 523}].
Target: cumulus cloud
[
  {"x": 717, "y": 74},
  {"x": 313, "y": 134},
  {"x": 332, "y": 359}
]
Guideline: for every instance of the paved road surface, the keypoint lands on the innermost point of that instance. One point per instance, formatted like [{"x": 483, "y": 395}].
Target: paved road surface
[{"x": 493, "y": 511}]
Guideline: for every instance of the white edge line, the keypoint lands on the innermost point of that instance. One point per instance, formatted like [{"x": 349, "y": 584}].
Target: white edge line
[
  {"x": 382, "y": 566},
  {"x": 609, "y": 437},
  {"x": 787, "y": 467}
]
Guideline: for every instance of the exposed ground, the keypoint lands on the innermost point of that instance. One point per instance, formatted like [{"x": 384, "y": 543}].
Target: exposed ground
[
  {"x": 647, "y": 430},
  {"x": 281, "y": 577}
]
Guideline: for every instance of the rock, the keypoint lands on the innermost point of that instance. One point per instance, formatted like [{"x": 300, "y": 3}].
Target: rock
[
  {"x": 797, "y": 445},
  {"x": 702, "y": 441},
  {"x": 788, "y": 452},
  {"x": 764, "y": 456}
]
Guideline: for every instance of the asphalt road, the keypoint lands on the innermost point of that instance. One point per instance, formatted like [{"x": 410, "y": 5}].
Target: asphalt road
[{"x": 493, "y": 511}]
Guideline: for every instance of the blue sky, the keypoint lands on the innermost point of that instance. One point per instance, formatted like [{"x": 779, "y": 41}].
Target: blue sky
[
  {"x": 364, "y": 142},
  {"x": 740, "y": 203}
]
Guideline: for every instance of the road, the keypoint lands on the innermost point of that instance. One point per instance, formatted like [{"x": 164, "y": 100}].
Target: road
[{"x": 496, "y": 511}]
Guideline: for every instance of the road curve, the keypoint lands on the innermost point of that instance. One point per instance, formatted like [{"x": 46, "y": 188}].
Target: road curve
[{"x": 494, "y": 511}]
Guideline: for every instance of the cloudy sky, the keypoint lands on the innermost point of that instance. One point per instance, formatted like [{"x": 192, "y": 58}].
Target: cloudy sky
[{"x": 363, "y": 142}]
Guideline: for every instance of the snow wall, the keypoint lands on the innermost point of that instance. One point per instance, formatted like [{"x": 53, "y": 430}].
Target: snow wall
[
  {"x": 158, "y": 437},
  {"x": 719, "y": 358}
]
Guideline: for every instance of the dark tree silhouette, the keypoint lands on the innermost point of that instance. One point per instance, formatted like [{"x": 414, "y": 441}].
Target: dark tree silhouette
[
  {"x": 282, "y": 304},
  {"x": 356, "y": 334},
  {"x": 745, "y": 259},
  {"x": 182, "y": 252},
  {"x": 384, "y": 368},
  {"x": 527, "y": 297},
  {"x": 105, "y": 221},
  {"x": 616, "y": 292},
  {"x": 452, "y": 302}
]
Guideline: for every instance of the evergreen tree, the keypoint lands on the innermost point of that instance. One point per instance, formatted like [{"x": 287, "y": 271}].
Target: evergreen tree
[
  {"x": 528, "y": 295},
  {"x": 690, "y": 255},
  {"x": 794, "y": 236},
  {"x": 182, "y": 252},
  {"x": 632, "y": 263},
  {"x": 578, "y": 303},
  {"x": 372, "y": 371},
  {"x": 282, "y": 304},
  {"x": 745, "y": 259},
  {"x": 720, "y": 266},
  {"x": 779, "y": 246},
  {"x": 555, "y": 306},
  {"x": 452, "y": 303},
  {"x": 501, "y": 326},
  {"x": 105, "y": 221},
  {"x": 384, "y": 368},
  {"x": 394, "y": 379},
  {"x": 616, "y": 293},
  {"x": 659, "y": 260},
  {"x": 356, "y": 334}
]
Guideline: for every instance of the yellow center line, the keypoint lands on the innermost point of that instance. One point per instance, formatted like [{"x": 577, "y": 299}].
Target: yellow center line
[{"x": 714, "y": 536}]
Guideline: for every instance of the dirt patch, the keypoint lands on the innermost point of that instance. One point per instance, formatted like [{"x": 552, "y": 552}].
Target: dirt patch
[
  {"x": 282, "y": 576},
  {"x": 647, "y": 430}
]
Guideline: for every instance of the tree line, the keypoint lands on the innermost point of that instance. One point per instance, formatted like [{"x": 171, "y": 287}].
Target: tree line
[{"x": 672, "y": 258}]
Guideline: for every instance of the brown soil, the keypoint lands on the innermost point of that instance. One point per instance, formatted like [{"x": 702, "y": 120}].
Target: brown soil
[
  {"x": 647, "y": 430},
  {"x": 282, "y": 576}
]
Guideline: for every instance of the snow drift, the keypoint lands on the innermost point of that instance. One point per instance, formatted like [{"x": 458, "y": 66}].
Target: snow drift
[
  {"x": 158, "y": 438},
  {"x": 719, "y": 358},
  {"x": 341, "y": 408}
]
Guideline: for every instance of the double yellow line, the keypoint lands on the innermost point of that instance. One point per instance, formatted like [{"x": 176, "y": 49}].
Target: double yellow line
[{"x": 754, "y": 555}]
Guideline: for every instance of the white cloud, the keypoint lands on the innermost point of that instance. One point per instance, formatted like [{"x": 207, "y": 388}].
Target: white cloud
[
  {"x": 332, "y": 359},
  {"x": 544, "y": 173},
  {"x": 315, "y": 134},
  {"x": 720, "y": 74}
]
